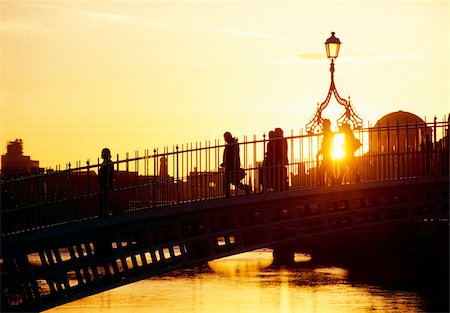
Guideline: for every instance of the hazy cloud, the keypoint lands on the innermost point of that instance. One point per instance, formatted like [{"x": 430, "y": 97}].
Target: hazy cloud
[
  {"x": 378, "y": 57},
  {"x": 22, "y": 28},
  {"x": 145, "y": 22},
  {"x": 298, "y": 58},
  {"x": 112, "y": 17},
  {"x": 284, "y": 61},
  {"x": 93, "y": 14},
  {"x": 239, "y": 32},
  {"x": 115, "y": 129},
  {"x": 367, "y": 57},
  {"x": 310, "y": 56}
]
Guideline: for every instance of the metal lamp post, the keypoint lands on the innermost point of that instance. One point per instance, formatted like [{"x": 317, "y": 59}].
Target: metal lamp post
[{"x": 332, "y": 46}]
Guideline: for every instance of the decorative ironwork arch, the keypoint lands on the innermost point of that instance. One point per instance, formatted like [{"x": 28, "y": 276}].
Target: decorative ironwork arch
[{"x": 349, "y": 116}]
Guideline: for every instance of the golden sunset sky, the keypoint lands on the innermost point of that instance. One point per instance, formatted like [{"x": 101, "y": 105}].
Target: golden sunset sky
[{"x": 79, "y": 76}]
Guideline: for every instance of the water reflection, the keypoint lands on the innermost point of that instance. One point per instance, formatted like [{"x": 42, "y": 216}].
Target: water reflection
[
  {"x": 245, "y": 264},
  {"x": 336, "y": 271},
  {"x": 247, "y": 283}
]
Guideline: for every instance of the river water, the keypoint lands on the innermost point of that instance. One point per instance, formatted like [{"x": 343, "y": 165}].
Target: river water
[{"x": 248, "y": 283}]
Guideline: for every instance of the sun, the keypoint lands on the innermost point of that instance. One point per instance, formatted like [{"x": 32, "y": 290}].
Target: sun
[{"x": 338, "y": 150}]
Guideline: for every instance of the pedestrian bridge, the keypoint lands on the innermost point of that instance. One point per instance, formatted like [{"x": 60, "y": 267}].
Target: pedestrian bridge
[{"x": 56, "y": 248}]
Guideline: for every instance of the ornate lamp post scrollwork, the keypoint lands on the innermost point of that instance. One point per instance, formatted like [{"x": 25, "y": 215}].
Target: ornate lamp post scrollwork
[{"x": 332, "y": 46}]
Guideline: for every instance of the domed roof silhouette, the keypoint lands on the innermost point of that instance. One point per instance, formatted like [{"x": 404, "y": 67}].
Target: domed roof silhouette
[
  {"x": 402, "y": 117},
  {"x": 398, "y": 139}
]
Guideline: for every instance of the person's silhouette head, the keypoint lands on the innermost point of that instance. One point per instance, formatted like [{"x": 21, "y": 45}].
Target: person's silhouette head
[
  {"x": 228, "y": 137},
  {"x": 106, "y": 154},
  {"x": 346, "y": 129},
  {"x": 326, "y": 124},
  {"x": 278, "y": 132}
]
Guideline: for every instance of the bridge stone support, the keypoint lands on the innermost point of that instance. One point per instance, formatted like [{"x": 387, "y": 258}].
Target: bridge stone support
[
  {"x": 51, "y": 266},
  {"x": 283, "y": 255}
]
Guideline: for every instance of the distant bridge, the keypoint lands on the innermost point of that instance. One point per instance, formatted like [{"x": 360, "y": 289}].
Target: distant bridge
[{"x": 173, "y": 214}]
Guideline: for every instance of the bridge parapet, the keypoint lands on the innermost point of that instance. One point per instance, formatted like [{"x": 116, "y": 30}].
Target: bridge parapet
[{"x": 192, "y": 173}]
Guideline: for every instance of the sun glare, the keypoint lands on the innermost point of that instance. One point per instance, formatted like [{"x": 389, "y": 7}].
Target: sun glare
[{"x": 338, "y": 150}]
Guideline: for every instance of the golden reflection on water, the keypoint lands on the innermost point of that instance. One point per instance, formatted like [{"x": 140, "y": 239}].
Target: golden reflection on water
[
  {"x": 245, "y": 264},
  {"x": 246, "y": 283}
]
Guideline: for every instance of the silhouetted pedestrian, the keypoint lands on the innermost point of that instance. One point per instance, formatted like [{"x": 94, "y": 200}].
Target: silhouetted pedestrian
[
  {"x": 351, "y": 144},
  {"x": 280, "y": 161},
  {"x": 426, "y": 147},
  {"x": 326, "y": 167},
  {"x": 105, "y": 179},
  {"x": 266, "y": 172},
  {"x": 232, "y": 164}
]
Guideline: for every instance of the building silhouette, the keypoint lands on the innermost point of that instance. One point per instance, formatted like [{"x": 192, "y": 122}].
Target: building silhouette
[
  {"x": 15, "y": 164},
  {"x": 398, "y": 132}
]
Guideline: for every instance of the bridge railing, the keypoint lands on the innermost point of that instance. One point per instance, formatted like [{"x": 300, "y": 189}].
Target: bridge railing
[{"x": 193, "y": 172}]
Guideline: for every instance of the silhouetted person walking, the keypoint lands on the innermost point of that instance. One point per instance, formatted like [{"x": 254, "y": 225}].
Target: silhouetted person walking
[
  {"x": 232, "y": 164},
  {"x": 326, "y": 167},
  {"x": 105, "y": 179},
  {"x": 280, "y": 161},
  {"x": 351, "y": 144},
  {"x": 426, "y": 147},
  {"x": 266, "y": 173}
]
